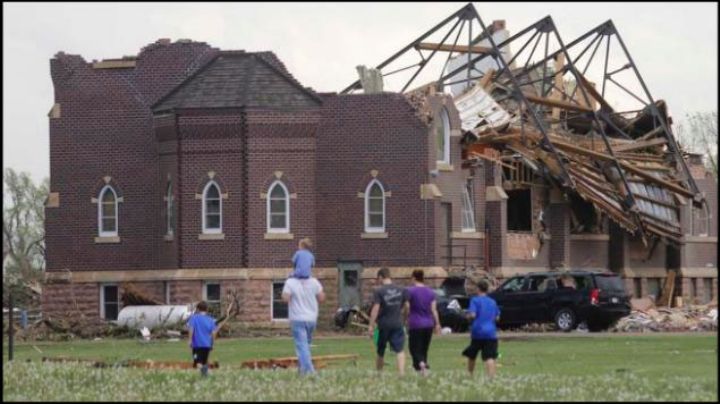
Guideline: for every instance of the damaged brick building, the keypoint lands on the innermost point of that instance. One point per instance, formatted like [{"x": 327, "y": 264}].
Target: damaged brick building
[{"x": 187, "y": 171}]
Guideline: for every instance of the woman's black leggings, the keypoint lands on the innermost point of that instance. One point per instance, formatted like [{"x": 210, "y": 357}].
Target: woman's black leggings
[{"x": 419, "y": 342}]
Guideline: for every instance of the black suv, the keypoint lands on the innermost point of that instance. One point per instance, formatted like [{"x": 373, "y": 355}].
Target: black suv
[{"x": 598, "y": 298}]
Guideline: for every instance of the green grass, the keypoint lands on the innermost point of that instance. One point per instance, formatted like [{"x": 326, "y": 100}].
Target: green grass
[{"x": 625, "y": 368}]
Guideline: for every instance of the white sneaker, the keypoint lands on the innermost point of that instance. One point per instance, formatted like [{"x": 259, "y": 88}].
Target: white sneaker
[{"x": 423, "y": 369}]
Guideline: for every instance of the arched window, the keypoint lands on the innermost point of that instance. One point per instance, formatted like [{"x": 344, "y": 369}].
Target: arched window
[
  {"x": 374, "y": 208},
  {"x": 278, "y": 208},
  {"x": 442, "y": 137},
  {"x": 107, "y": 212},
  {"x": 212, "y": 209},
  {"x": 170, "y": 213},
  {"x": 468, "y": 208}
]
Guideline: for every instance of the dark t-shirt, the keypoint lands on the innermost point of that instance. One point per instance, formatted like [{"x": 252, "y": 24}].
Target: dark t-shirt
[{"x": 391, "y": 299}]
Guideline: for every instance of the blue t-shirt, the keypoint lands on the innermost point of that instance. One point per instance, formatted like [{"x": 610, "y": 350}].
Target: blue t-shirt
[
  {"x": 303, "y": 261},
  {"x": 486, "y": 311},
  {"x": 202, "y": 326}
]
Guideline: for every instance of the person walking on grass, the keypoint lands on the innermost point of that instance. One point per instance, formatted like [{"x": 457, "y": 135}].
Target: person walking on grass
[
  {"x": 423, "y": 319},
  {"x": 202, "y": 333},
  {"x": 485, "y": 313},
  {"x": 303, "y": 297},
  {"x": 388, "y": 303},
  {"x": 303, "y": 261}
]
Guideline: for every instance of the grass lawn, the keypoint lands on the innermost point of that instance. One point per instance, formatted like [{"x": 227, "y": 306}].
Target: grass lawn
[{"x": 624, "y": 368}]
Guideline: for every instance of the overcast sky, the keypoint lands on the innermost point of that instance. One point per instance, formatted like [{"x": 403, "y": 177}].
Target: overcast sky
[{"x": 675, "y": 45}]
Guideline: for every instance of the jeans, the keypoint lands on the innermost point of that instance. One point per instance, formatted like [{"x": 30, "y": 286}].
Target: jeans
[
  {"x": 302, "y": 334},
  {"x": 419, "y": 343}
]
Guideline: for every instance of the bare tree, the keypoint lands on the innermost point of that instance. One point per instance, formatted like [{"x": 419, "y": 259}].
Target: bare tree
[
  {"x": 23, "y": 229},
  {"x": 697, "y": 133}
]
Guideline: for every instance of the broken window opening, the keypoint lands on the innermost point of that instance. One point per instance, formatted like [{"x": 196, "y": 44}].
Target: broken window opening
[
  {"x": 519, "y": 210},
  {"x": 700, "y": 221},
  {"x": 279, "y": 307},
  {"x": 584, "y": 218},
  {"x": 519, "y": 177}
]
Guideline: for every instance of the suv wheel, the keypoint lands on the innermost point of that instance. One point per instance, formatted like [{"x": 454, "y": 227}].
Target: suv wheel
[{"x": 565, "y": 319}]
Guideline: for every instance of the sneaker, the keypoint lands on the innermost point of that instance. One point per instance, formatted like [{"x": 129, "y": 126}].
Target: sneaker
[
  {"x": 204, "y": 371},
  {"x": 423, "y": 369}
]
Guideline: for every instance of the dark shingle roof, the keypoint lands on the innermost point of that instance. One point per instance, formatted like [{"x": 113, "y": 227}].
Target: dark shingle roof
[{"x": 235, "y": 79}]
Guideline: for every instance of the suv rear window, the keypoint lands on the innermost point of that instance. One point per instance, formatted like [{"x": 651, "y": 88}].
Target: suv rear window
[{"x": 610, "y": 283}]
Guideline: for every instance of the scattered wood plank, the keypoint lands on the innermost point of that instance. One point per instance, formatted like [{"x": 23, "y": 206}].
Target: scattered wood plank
[
  {"x": 486, "y": 79},
  {"x": 556, "y": 103},
  {"x": 640, "y": 145},
  {"x": 319, "y": 362},
  {"x": 451, "y": 48},
  {"x": 153, "y": 364}
]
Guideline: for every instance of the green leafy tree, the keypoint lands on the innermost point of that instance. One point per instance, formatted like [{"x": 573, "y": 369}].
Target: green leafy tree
[{"x": 23, "y": 232}]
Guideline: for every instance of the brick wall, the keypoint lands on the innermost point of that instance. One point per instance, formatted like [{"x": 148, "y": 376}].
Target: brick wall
[
  {"x": 281, "y": 146},
  {"x": 358, "y": 134},
  {"x": 451, "y": 184},
  {"x": 105, "y": 129}
]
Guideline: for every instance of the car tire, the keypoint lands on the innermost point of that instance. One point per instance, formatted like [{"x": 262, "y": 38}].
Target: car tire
[{"x": 565, "y": 319}]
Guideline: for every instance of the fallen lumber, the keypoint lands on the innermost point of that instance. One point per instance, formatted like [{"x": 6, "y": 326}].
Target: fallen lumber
[
  {"x": 292, "y": 361},
  {"x": 451, "y": 48},
  {"x": 153, "y": 364}
]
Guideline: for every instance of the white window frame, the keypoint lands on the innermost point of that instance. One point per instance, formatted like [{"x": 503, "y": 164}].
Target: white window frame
[
  {"x": 101, "y": 232},
  {"x": 205, "y": 294},
  {"x": 272, "y": 301},
  {"x": 169, "y": 207},
  {"x": 268, "y": 215},
  {"x": 468, "y": 208},
  {"x": 206, "y": 230},
  {"x": 102, "y": 299},
  {"x": 445, "y": 122},
  {"x": 368, "y": 228}
]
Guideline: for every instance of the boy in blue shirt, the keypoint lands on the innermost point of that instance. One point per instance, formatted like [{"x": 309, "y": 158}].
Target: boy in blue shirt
[
  {"x": 484, "y": 312},
  {"x": 203, "y": 331},
  {"x": 303, "y": 260}
]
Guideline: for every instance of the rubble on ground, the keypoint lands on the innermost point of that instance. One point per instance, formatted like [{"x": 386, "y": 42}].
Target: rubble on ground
[{"x": 662, "y": 319}]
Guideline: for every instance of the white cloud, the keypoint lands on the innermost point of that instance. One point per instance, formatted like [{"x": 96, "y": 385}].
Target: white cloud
[{"x": 673, "y": 44}]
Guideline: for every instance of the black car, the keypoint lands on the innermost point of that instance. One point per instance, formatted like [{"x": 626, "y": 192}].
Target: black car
[
  {"x": 598, "y": 298},
  {"x": 452, "y": 301},
  {"x": 451, "y": 310}
]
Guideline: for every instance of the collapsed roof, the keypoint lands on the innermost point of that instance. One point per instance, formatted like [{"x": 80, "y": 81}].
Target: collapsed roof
[{"x": 556, "y": 118}]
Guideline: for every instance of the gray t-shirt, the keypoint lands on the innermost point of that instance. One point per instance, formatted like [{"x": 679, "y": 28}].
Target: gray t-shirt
[{"x": 391, "y": 299}]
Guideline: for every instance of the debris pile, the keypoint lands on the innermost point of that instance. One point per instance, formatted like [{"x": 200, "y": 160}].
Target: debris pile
[{"x": 689, "y": 318}]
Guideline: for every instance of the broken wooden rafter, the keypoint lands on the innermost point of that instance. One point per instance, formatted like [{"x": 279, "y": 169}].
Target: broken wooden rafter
[
  {"x": 557, "y": 104},
  {"x": 453, "y": 48},
  {"x": 651, "y": 134},
  {"x": 640, "y": 145},
  {"x": 640, "y": 173}
]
